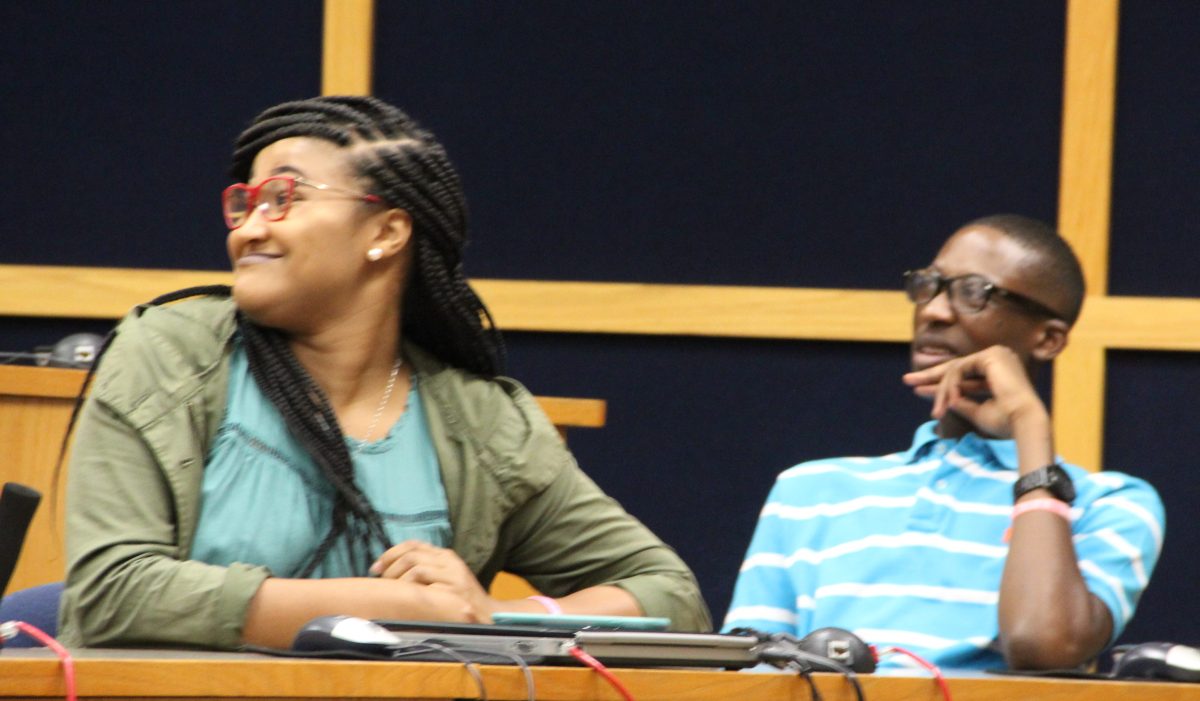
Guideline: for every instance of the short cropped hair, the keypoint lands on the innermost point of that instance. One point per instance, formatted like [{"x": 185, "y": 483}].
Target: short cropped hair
[{"x": 1061, "y": 273}]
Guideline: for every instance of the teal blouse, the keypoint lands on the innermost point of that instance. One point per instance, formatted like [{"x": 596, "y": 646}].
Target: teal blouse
[{"x": 265, "y": 502}]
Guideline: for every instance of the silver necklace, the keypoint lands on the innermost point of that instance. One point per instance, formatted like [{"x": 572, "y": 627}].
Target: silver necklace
[{"x": 387, "y": 395}]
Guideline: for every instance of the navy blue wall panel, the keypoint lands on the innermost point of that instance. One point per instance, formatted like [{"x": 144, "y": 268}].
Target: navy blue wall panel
[
  {"x": 820, "y": 144},
  {"x": 1156, "y": 151},
  {"x": 119, "y": 116},
  {"x": 1150, "y": 428}
]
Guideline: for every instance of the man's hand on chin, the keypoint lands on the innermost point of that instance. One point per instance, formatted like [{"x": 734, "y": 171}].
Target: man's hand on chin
[{"x": 989, "y": 388}]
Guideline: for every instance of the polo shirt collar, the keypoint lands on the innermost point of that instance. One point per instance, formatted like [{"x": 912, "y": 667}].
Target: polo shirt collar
[{"x": 1002, "y": 451}]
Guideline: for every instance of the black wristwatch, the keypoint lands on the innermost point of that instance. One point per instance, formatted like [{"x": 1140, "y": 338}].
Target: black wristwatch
[{"x": 1052, "y": 477}]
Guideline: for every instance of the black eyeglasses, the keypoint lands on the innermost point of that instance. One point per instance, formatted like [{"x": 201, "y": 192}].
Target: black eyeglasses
[{"x": 968, "y": 293}]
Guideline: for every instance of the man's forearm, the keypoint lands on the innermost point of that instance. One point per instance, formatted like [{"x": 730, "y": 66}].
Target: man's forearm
[{"x": 1048, "y": 618}]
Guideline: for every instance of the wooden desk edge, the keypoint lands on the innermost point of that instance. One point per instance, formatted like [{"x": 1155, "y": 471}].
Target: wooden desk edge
[
  {"x": 40, "y": 382},
  {"x": 132, "y": 674}
]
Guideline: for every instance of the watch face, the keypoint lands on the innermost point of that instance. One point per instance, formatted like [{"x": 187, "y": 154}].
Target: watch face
[{"x": 1061, "y": 486}]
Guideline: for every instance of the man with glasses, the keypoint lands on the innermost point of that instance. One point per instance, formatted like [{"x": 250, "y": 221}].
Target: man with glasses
[{"x": 976, "y": 547}]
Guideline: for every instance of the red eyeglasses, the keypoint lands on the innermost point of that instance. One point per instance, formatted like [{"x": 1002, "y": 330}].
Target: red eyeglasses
[{"x": 273, "y": 198}]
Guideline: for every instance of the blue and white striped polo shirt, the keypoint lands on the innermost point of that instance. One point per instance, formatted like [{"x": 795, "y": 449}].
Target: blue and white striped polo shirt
[{"x": 907, "y": 549}]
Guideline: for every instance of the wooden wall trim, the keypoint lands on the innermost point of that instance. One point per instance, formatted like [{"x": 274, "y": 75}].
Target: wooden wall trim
[
  {"x": 1142, "y": 323},
  {"x": 1085, "y": 190},
  {"x": 1085, "y": 174},
  {"x": 1134, "y": 323},
  {"x": 698, "y": 310},
  {"x": 90, "y": 293},
  {"x": 522, "y": 305},
  {"x": 1078, "y": 404},
  {"x": 347, "y": 46}
]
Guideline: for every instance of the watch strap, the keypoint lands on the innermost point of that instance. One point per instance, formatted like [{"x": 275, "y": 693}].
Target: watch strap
[{"x": 1052, "y": 477}]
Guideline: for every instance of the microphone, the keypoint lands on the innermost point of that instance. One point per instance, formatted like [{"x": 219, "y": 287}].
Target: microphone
[
  {"x": 17, "y": 504},
  {"x": 79, "y": 350}
]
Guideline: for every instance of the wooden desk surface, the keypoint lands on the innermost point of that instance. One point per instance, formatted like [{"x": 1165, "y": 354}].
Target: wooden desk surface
[{"x": 147, "y": 674}]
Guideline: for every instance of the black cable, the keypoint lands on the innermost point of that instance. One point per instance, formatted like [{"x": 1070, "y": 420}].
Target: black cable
[
  {"x": 817, "y": 661},
  {"x": 807, "y": 661},
  {"x": 805, "y": 673}
]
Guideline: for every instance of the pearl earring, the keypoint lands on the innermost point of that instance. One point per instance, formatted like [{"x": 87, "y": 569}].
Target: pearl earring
[{"x": 374, "y": 254}]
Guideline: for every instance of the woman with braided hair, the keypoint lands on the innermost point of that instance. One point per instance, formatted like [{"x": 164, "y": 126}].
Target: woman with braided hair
[{"x": 332, "y": 435}]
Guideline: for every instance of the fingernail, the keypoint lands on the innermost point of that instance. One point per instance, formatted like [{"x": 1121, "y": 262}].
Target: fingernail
[{"x": 375, "y": 568}]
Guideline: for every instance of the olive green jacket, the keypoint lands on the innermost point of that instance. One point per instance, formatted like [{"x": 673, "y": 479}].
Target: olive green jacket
[{"x": 517, "y": 499}]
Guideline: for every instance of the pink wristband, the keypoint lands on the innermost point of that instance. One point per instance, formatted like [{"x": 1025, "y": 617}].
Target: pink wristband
[
  {"x": 1054, "y": 506},
  {"x": 550, "y": 604}
]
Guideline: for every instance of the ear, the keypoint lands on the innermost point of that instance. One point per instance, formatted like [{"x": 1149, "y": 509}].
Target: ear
[
  {"x": 393, "y": 232},
  {"x": 1050, "y": 340}
]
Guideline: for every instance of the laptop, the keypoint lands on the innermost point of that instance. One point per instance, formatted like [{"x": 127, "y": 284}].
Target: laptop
[
  {"x": 644, "y": 649},
  {"x": 491, "y": 644}
]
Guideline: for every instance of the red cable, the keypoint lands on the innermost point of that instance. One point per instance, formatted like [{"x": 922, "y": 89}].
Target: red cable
[
  {"x": 68, "y": 664},
  {"x": 581, "y": 655},
  {"x": 931, "y": 667}
]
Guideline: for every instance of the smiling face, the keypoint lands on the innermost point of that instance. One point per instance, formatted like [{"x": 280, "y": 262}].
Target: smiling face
[
  {"x": 942, "y": 332},
  {"x": 291, "y": 273}
]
